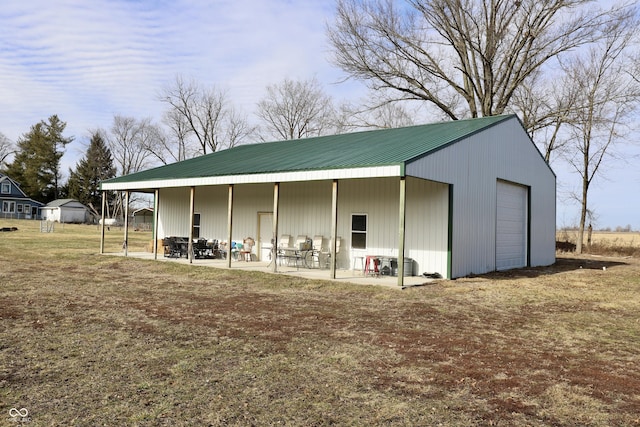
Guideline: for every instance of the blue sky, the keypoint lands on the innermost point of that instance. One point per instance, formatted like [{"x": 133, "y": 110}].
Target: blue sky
[{"x": 86, "y": 61}]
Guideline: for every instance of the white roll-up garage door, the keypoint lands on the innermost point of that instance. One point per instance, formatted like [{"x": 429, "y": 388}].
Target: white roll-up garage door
[{"x": 511, "y": 226}]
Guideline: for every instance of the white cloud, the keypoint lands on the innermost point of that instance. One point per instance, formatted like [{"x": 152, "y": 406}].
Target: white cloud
[{"x": 86, "y": 61}]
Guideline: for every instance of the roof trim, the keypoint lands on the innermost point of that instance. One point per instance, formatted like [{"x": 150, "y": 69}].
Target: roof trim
[{"x": 330, "y": 174}]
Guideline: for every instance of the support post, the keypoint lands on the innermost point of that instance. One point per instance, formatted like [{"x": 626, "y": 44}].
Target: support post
[
  {"x": 334, "y": 228},
  {"x": 274, "y": 238},
  {"x": 401, "y": 233},
  {"x": 104, "y": 202},
  {"x": 125, "y": 245},
  {"x": 192, "y": 205},
  {"x": 156, "y": 203},
  {"x": 229, "y": 225}
]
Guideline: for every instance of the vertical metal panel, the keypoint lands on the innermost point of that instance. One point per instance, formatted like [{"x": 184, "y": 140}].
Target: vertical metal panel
[
  {"x": 305, "y": 208},
  {"x": 212, "y": 204},
  {"x": 427, "y": 225},
  {"x": 473, "y": 166},
  {"x": 249, "y": 199},
  {"x": 173, "y": 215},
  {"x": 379, "y": 199}
]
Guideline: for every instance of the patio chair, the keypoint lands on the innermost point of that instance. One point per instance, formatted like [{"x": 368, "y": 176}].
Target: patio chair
[
  {"x": 247, "y": 247},
  {"x": 174, "y": 247},
  {"x": 326, "y": 253},
  {"x": 313, "y": 256}
]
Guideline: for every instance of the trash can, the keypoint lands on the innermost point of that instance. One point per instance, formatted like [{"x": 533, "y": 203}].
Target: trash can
[{"x": 407, "y": 266}]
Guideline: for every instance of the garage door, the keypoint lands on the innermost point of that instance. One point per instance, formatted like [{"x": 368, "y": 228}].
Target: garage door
[{"x": 511, "y": 226}]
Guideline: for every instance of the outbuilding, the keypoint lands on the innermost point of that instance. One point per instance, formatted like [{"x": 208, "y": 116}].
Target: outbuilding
[
  {"x": 66, "y": 211},
  {"x": 450, "y": 198}
]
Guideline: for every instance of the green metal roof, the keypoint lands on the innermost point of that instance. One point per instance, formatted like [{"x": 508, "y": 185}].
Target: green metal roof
[{"x": 351, "y": 150}]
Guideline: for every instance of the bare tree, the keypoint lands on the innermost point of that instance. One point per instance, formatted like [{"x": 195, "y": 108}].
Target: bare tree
[
  {"x": 129, "y": 140},
  {"x": 7, "y": 148},
  {"x": 205, "y": 111},
  {"x": 377, "y": 116},
  {"x": 237, "y": 128},
  {"x": 607, "y": 97},
  {"x": 545, "y": 107},
  {"x": 296, "y": 109},
  {"x": 177, "y": 145},
  {"x": 466, "y": 58}
]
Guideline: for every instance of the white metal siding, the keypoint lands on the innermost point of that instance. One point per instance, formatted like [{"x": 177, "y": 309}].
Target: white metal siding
[
  {"x": 472, "y": 166},
  {"x": 511, "y": 226},
  {"x": 173, "y": 212},
  {"x": 305, "y": 209},
  {"x": 427, "y": 226}
]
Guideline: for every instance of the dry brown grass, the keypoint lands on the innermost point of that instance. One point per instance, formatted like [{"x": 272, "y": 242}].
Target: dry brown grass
[
  {"x": 100, "y": 340},
  {"x": 606, "y": 242}
]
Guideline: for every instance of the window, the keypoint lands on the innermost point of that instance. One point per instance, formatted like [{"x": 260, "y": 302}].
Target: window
[
  {"x": 8, "y": 207},
  {"x": 6, "y": 188},
  {"x": 196, "y": 225},
  {"x": 19, "y": 208},
  {"x": 358, "y": 231}
]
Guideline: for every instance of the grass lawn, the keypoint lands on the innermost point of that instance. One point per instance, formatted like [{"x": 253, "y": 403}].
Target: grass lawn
[{"x": 96, "y": 340}]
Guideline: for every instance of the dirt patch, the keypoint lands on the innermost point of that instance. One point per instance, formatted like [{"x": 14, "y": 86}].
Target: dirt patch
[{"x": 148, "y": 343}]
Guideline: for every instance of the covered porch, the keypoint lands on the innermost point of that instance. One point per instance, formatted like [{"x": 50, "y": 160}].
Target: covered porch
[
  {"x": 353, "y": 276},
  {"x": 352, "y": 225}
]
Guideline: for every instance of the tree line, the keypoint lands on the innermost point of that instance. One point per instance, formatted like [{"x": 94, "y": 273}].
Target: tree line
[{"x": 566, "y": 68}]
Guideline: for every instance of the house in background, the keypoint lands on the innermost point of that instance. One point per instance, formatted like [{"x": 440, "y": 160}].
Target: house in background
[
  {"x": 66, "y": 211},
  {"x": 14, "y": 203},
  {"x": 457, "y": 198}
]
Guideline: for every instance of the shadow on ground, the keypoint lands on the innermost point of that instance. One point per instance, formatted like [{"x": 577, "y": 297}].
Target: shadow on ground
[{"x": 562, "y": 264}]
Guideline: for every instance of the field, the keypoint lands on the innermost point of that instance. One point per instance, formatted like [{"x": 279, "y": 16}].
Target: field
[
  {"x": 606, "y": 242},
  {"x": 96, "y": 340}
]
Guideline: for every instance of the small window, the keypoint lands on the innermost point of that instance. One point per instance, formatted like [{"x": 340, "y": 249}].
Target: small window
[
  {"x": 6, "y": 188},
  {"x": 19, "y": 208},
  {"x": 8, "y": 207},
  {"x": 196, "y": 225},
  {"x": 359, "y": 231}
]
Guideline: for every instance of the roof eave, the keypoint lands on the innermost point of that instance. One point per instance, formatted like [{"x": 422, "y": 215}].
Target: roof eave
[{"x": 291, "y": 176}]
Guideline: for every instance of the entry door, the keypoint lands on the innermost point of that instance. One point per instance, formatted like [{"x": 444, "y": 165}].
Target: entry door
[
  {"x": 511, "y": 226},
  {"x": 265, "y": 232}
]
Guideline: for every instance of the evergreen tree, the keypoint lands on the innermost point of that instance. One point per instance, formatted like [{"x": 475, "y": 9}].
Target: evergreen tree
[
  {"x": 36, "y": 165},
  {"x": 96, "y": 166}
]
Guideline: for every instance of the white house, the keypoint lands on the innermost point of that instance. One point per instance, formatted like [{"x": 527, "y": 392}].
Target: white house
[
  {"x": 457, "y": 198},
  {"x": 66, "y": 210}
]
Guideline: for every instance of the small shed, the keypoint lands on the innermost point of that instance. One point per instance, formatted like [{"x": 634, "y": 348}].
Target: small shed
[
  {"x": 143, "y": 218},
  {"x": 66, "y": 211},
  {"x": 454, "y": 198}
]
